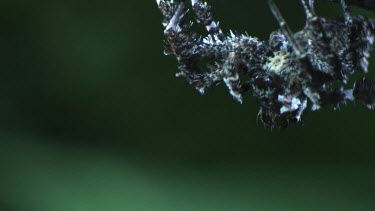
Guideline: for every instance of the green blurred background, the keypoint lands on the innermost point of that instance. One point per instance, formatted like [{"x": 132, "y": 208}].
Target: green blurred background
[{"x": 92, "y": 118}]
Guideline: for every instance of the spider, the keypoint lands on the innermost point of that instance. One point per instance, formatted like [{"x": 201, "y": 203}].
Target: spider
[{"x": 287, "y": 74}]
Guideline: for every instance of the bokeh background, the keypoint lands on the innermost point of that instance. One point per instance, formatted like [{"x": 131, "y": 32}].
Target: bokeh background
[{"x": 92, "y": 118}]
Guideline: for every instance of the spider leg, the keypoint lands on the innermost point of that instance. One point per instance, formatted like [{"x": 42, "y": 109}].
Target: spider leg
[
  {"x": 232, "y": 78},
  {"x": 324, "y": 41},
  {"x": 314, "y": 25},
  {"x": 311, "y": 5},
  {"x": 364, "y": 91},
  {"x": 346, "y": 56},
  {"x": 182, "y": 43},
  {"x": 308, "y": 6},
  {"x": 190, "y": 49},
  {"x": 336, "y": 96},
  {"x": 345, "y": 11},
  {"x": 204, "y": 13}
]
